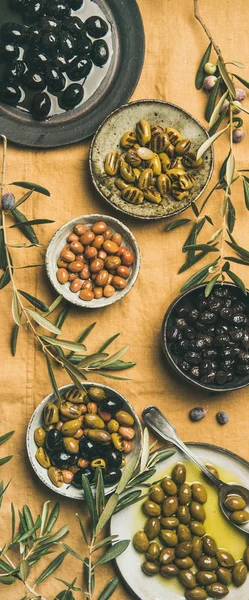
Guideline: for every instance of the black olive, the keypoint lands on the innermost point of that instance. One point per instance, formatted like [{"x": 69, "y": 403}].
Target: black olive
[
  {"x": 200, "y": 343},
  {"x": 99, "y": 53},
  {"x": 181, "y": 323},
  {"x": 230, "y": 376},
  {"x": 38, "y": 61},
  {"x": 221, "y": 340},
  {"x": 75, "y": 4},
  {"x": 208, "y": 317},
  {"x": 54, "y": 440},
  {"x": 238, "y": 319},
  {"x": 58, "y": 9},
  {"x": 182, "y": 310},
  {"x": 34, "y": 81},
  {"x": 84, "y": 46},
  {"x": 49, "y": 42},
  {"x": 10, "y": 93},
  {"x": 181, "y": 346},
  {"x": 236, "y": 350},
  {"x": 88, "y": 449},
  {"x": 55, "y": 80},
  {"x": 227, "y": 353},
  {"x": 243, "y": 369},
  {"x": 190, "y": 333},
  {"x": 245, "y": 340},
  {"x": 228, "y": 302},
  {"x": 67, "y": 44},
  {"x": 79, "y": 68},
  {"x": 210, "y": 330},
  {"x": 202, "y": 302},
  {"x": 208, "y": 378},
  {"x": 113, "y": 458},
  {"x": 96, "y": 27},
  {"x": 180, "y": 336},
  {"x": 200, "y": 327},
  {"x": 184, "y": 366},
  {"x": 239, "y": 307},
  {"x": 195, "y": 372},
  {"x": 221, "y": 330},
  {"x": 77, "y": 480},
  {"x": 62, "y": 459},
  {"x": 34, "y": 12},
  {"x": 15, "y": 70},
  {"x": 111, "y": 405},
  {"x": 207, "y": 338},
  {"x": 193, "y": 315},
  {"x": 192, "y": 345},
  {"x": 220, "y": 291},
  {"x": 243, "y": 356},
  {"x": 33, "y": 35},
  {"x": 172, "y": 332},
  {"x": 215, "y": 304},
  {"x": 41, "y": 106},
  {"x": 12, "y": 33},
  {"x": 210, "y": 353},
  {"x": 236, "y": 334},
  {"x": 75, "y": 26},
  {"x": 48, "y": 25},
  {"x": 225, "y": 312},
  {"x": 71, "y": 96},
  {"x": 227, "y": 365},
  {"x": 111, "y": 476},
  {"x": 206, "y": 366},
  {"x": 220, "y": 377},
  {"x": 9, "y": 51},
  {"x": 60, "y": 62}
]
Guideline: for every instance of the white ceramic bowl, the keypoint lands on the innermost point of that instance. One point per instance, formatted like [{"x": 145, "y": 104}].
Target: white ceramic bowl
[
  {"x": 37, "y": 421},
  {"x": 59, "y": 240}
]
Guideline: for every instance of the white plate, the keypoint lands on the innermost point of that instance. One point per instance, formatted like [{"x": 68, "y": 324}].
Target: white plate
[{"x": 125, "y": 524}]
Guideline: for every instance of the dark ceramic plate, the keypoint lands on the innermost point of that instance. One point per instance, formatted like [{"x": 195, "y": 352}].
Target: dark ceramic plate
[
  {"x": 237, "y": 383},
  {"x": 115, "y": 89}
]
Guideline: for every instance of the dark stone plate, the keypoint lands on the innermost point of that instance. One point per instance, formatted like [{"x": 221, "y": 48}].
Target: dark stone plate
[{"x": 116, "y": 88}]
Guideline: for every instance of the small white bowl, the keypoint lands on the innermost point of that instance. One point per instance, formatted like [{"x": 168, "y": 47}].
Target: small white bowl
[
  {"x": 59, "y": 240},
  {"x": 69, "y": 491}
]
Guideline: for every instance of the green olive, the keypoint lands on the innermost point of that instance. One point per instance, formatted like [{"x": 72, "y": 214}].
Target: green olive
[
  {"x": 239, "y": 573},
  {"x": 169, "y": 523},
  {"x": 209, "y": 545},
  {"x": 128, "y": 139},
  {"x": 155, "y": 165},
  {"x": 132, "y": 195},
  {"x": 121, "y": 184},
  {"x": 70, "y": 427},
  {"x": 165, "y": 161},
  {"x": 152, "y": 528},
  {"x": 186, "y": 181},
  {"x": 212, "y": 470},
  {"x": 117, "y": 441},
  {"x": 163, "y": 184},
  {"x": 153, "y": 551},
  {"x": 167, "y": 556},
  {"x": 224, "y": 575},
  {"x": 169, "y": 571},
  {"x": 93, "y": 421},
  {"x": 246, "y": 557},
  {"x": 40, "y": 436},
  {"x": 207, "y": 563},
  {"x": 178, "y": 193},
  {"x": 71, "y": 445},
  {"x": 197, "y": 528},
  {"x": 126, "y": 172},
  {"x": 199, "y": 493},
  {"x": 152, "y": 509},
  {"x": 150, "y": 568},
  {"x": 43, "y": 458},
  {"x": 56, "y": 476},
  {"x": 169, "y": 537},
  {"x": 51, "y": 414},
  {"x": 183, "y": 514},
  {"x": 111, "y": 165},
  {"x": 69, "y": 410},
  {"x": 187, "y": 578},
  {"x": 169, "y": 506},
  {"x": 145, "y": 179},
  {"x": 184, "y": 563},
  {"x": 156, "y": 494},
  {"x": 183, "y": 533},
  {"x": 171, "y": 151},
  {"x": 101, "y": 437},
  {"x": 184, "y": 493},
  {"x": 174, "y": 135},
  {"x": 132, "y": 158},
  {"x": 235, "y": 502},
  {"x": 174, "y": 175},
  {"x": 140, "y": 541},
  {"x": 159, "y": 142},
  {"x": 225, "y": 559},
  {"x": 96, "y": 393},
  {"x": 217, "y": 590},
  {"x": 157, "y": 129},
  {"x": 76, "y": 396},
  {"x": 152, "y": 194},
  {"x": 182, "y": 147},
  {"x": 183, "y": 549},
  {"x": 197, "y": 511},
  {"x": 197, "y": 593},
  {"x": 143, "y": 132},
  {"x": 113, "y": 426},
  {"x": 189, "y": 160},
  {"x": 239, "y": 516},
  {"x": 205, "y": 577},
  {"x": 196, "y": 551},
  {"x": 179, "y": 473},
  {"x": 169, "y": 487},
  {"x": 124, "y": 418}
]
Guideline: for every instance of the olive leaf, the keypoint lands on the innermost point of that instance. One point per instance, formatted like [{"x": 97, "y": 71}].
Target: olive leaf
[
  {"x": 127, "y": 500},
  {"x": 246, "y": 192},
  {"x": 24, "y": 569},
  {"x": 239, "y": 261},
  {"x": 115, "y": 356},
  {"x": 194, "y": 209},
  {"x": 13, "y": 521},
  {"x": 210, "y": 285},
  {"x": 241, "y": 251},
  {"x": 230, "y": 215},
  {"x": 24, "y": 224},
  {"x": 178, "y": 223},
  {"x": 44, "y": 517},
  {"x": 100, "y": 492},
  {"x": 22, "y": 199},
  {"x": 205, "y": 247},
  {"x": 215, "y": 235},
  {"x": 6, "y": 436},
  {"x": 245, "y": 83},
  {"x": 51, "y": 568},
  {"x": 88, "y": 497},
  {"x": 212, "y": 100},
  {"x": 4, "y": 460},
  {"x": 145, "y": 449},
  {"x": 200, "y": 75},
  {"x": 53, "y": 306},
  {"x": 209, "y": 142},
  {"x": 105, "y": 541},
  {"x": 109, "y": 376},
  {"x": 107, "y": 512},
  {"x": 230, "y": 166},
  {"x": 52, "y": 379},
  {"x": 48, "y": 523},
  {"x": 217, "y": 123},
  {"x": 16, "y": 309},
  {"x": 216, "y": 112},
  {"x": 27, "y": 231},
  {"x": 62, "y": 316},
  {"x": 225, "y": 76},
  {"x": 72, "y": 552},
  {"x": 3, "y": 255},
  {"x": 197, "y": 277},
  {"x": 113, "y": 552},
  {"x": 237, "y": 280},
  {"x": 119, "y": 365},
  {"x": 109, "y": 588},
  {"x": 127, "y": 474},
  {"x": 42, "y": 321},
  {"x": 82, "y": 527},
  {"x": 191, "y": 262},
  {"x": 31, "y": 186},
  {"x": 67, "y": 344},
  {"x": 35, "y": 301}
]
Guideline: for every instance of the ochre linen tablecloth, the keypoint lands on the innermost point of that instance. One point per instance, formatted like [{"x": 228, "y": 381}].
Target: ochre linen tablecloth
[{"x": 174, "y": 44}]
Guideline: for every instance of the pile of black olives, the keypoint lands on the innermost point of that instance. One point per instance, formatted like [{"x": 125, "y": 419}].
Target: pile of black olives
[
  {"x": 52, "y": 44},
  {"x": 208, "y": 338},
  {"x": 84, "y": 431}
]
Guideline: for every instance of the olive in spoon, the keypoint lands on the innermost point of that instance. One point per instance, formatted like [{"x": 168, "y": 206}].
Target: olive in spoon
[{"x": 155, "y": 419}]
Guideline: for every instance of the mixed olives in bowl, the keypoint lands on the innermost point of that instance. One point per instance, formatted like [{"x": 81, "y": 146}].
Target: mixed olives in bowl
[
  {"x": 87, "y": 429},
  {"x": 206, "y": 340}
]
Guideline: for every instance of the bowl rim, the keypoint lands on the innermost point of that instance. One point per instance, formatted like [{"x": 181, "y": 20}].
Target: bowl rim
[
  {"x": 168, "y": 356},
  {"x": 102, "y": 302},
  {"x": 125, "y": 106},
  {"x": 30, "y": 431}
]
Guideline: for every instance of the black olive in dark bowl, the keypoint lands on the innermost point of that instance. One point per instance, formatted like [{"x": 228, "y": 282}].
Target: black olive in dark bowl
[
  {"x": 88, "y": 449},
  {"x": 75, "y": 4},
  {"x": 34, "y": 81},
  {"x": 99, "y": 53},
  {"x": 34, "y": 11},
  {"x": 111, "y": 405},
  {"x": 18, "y": 5},
  {"x": 67, "y": 44},
  {"x": 62, "y": 459},
  {"x": 54, "y": 440},
  {"x": 75, "y": 26},
  {"x": 72, "y": 96},
  {"x": 39, "y": 61},
  {"x": 84, "y": 46},
  {"x": 33, "y": 35},
  {"x": 79, "y": 68},
  {"x": 58, "y": 9},
  {"x": 41, "y": 106},
  {"x": 12, "y": 32},
  {"x": 55, "y": 80},
  {"x": 60, "y": 62},
  {"x": 14, "y": 71},
  {"x": 49, "y": 24},
  {"x": 111, "y": 476},
  {"x": 10, "y": 93},
  {"x": 113, "y": 458},
  {"x": 96, "y": 27},
  {"x": 49, "y": 42},
  {"x": 77, "y": 480},
  {"x": 9, "y": 52}
]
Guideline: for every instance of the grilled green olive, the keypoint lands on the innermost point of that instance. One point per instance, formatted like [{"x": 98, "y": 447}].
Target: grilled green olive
[
  {"x": 187, "y": 578},
  {"x": 157, "y": 129},
  {"x": 179, "y": 473},
  {"x": 239, "y": 516},
  {"x": 169, "y": 487},
  {"x": 207, "y": 563},
  {"x": 152, "y": 509},
  {"x": 43, "y": 458},
  {"x": 175, "y": 173},
  {"x": 96, "y": 394},
  {"x": 197, "y": 593},
  {"x": 209, "y": 545},
  {"x": 156, "y": 494},
  {"x": 51, "y": 414},
  {"x": 112, "y": 161},
  {"x": 189, "y": 160},
  {"x": 184, "y": 493},
  {"x": 163, "y": 184},
  {"x": 141, "y": 542},
  {"x": 184, "y": 563},
  {"x": 153, "y": 552},
  {"x": 150, "y": 568},
  {"x": 69, "y": 410},
  {"x": 165, "y": 161},
  {"x": 186, "y": 181},
  {"x": 159, "y": 143},
  {"x": 152, "y": 194},
  {"x": 117, "y": 441},
  {"x": 98, "y": 462},
  {"x": 152, "y": 528},
  {"x": 94, "y": 421},
  {"x": 132, "y": 195},
  {"x": 183, "y": 549},
  {"x": 178, "y": 193},
  {"x": 199, "y": 493},
  {"x": 217, "y": 590},
  {"x": 169, "y": 506},
  {"x": 224, "y": 575},
  {"x": 101, "y": 437},
  {"x": 182, "y": 147},
  {"x": 183, "y": 533},
  {"x": 196, "y": 551},
  {"x": 128, "y": 139},
  {"x": 225, "y": 559},
  {"x": 56, "y": 476},
  {"x": 197, "y": 528},
  {"x": 239, "y": 573},
  {"x": 169, "y": 571},
  {"x": 143, "y": 132},
  {"x": 246, "y": 557},
  {"x": 124, "y": 418},
  {"x": 171, "y": 151},
  {"x": 235, "y": 502},
  {"x": 167, "y": 556},
  {"x": 126, "y": 172},
  {"x": 155, "y": 165},
  {"x": 170, "y": 523},
  {"x": 76, "y": 396},
  {"x": 197, "y": 511},
  {"x": 183, "y": 514},
  {"x": 137, "y": 173},
  {"x": 71, "y": 445},
  {"x": 132, "y": 158},
  {"x": 205, "y": 577},
  {"x": 169, "y": 537},
  {"x": 173, "y": 135},
  {"x": 40, "y": 436},
  {"x": 145, "y": 179},
  {"x": 70, "y": 427}
]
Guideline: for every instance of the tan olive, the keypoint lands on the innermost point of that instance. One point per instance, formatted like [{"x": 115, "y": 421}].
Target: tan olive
[
  {"x": 173, "y": 135},
  {"x": 163, "y": 184},
  {"x": 76, "y": 247},
  {"x": 56, "y": 476},
  {"x": 184, "y": 493},
  {"x": 159, "y": 142},
  {"x": 124, "y": 418},
  {"x": 155, "y": 165},
  {"x": 169, "y": 537},
  {"x": 40, "y": 436},
  {"x": 76, "y": 285},
  {"x": 141, "y": 542},
  {"x": 143, "y": 132},
  {"x": 62, "y": 263},
  {"x": 98, "y": 242},
  {"x": 239, "y": 516},
  {"x": 235, "y": 502},
  {"x": 152, "y": 528},
  {"x": 217, "y": 590},
  {"x": 98, "y": 462},
  {"x": 169, "y": 506},
  {"x": 182, "y": 147},
  {"x": 186, "y": 181},
  {"x": 96, "y": 393},
  {"x": 127, "y": 173},
  {"x": 178, "y": 193},
  {"x": 72, "y": 237},
  {"x": 207, "y": 563},
  {"x": 196, "y": 551},
  {"x": 123, "y": 271},
  {"x": 187, "y": 578},
  {"x": 169, "y": 523},
  {"x": 167, "y": 556},
  {"x": 86, "y": 295},
  {"x": 102, "y": 276},
  {"x": 80, "y": 228},
  {"x": 69, "y": 428},
  {"x": 71, "y": 445},
  {"x": 183, "y": 514},
  {"x": 224, "y": 575},
  {"x": 69, "y": 410},
  {"x": 112, "y": 262},
  {"x": 239, "y": 573},
  {"x": 99, "y": 436},
  {"x": 179, "y": 474},
  {"x": 127, "y": 433},
  {"x": 94, "y": 421},
  {"x": 121, "y": 184},
  {"x": 152, "y": 509},
  {"x": 150, "y": 568},
  {"x": 113, "y": 426},
  {"x": 67, "y": 255},
  {"x": 51, "y": 414},
  {"x": 85, "y": 273},
  {"x": 90, "y": 252},
  {"x": 183, "y": 533},
  {"x": 145, "y": 179},
  {"x": 92, "y": 408},
  {"x": 76, "y": 266},
  {"x": 199, "y": 493},
  {"x": 197, "y": 511},
  {"x": 153, "y": 552},
  {"x": 184, "y": 563},
  {"x": 127, "y": 258},
  {"x": 156, "y": 494},
  {"x": 43, "y": 458},
  {"x": 112, "y": 161},
  {"x": 62, "y": 275},
  {"x": 169, "y": 487},
  {"x": 132, "y": 158},
  {"x": 96, "y": 265},
  {"x": 128, "y": 139},
  {"x": 165, "y": 161},
  {"x": 152, "y": 195},
  {"x": 169, "y": 571},
  {"x": 205, "y": 577},
  {"x": 133, "y": 195},
  {"x": 225, "y": 559},
  {"x": 108, "y": 290},
  {"x": 246, "y": 557},
  {"x": 117, "y": 441},
  {"x": 183, "y": 549},
  {"x": 197, "y": 528},
  {"x": 197, "y": 593},
  {"x": 209, "y": 545},
  {"x": 67, "y": 476},
  {"x": 72, "y": 276}
]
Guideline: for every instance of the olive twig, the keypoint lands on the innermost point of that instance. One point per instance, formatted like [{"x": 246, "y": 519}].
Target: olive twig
[{"x": 198, "y": 17}]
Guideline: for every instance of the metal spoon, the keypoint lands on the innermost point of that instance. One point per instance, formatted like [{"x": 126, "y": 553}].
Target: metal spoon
[{"x": 153, "y": 417}]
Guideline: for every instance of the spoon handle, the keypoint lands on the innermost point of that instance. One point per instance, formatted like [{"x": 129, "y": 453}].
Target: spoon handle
[{"x": 157, "y": 421}]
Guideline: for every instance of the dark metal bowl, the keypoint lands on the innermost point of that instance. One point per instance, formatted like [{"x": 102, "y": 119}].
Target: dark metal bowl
[{"x": 238, "y": 382}]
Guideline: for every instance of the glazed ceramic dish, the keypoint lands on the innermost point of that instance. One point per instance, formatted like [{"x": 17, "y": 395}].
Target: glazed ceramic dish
[
  {"x": 105, "y": 90},
  {"x": 232, "y": 469},
  {"x": 58, "y": 241},
  {"x": 37, "y": 421},
  {"x": 125, "y": 118}
]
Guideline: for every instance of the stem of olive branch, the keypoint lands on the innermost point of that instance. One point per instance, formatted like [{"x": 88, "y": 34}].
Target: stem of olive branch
[
  {"x": 29, "y": 588},
  {"x": 89, "y": 591},
  {"x": 209, "y": 35}
]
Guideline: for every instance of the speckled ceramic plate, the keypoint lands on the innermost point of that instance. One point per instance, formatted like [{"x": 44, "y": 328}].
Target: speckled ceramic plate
[
  {"x": 69, "y": 491},
  {"x": 108, "y": 136},
  {"x": 232, "y": 468}
]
